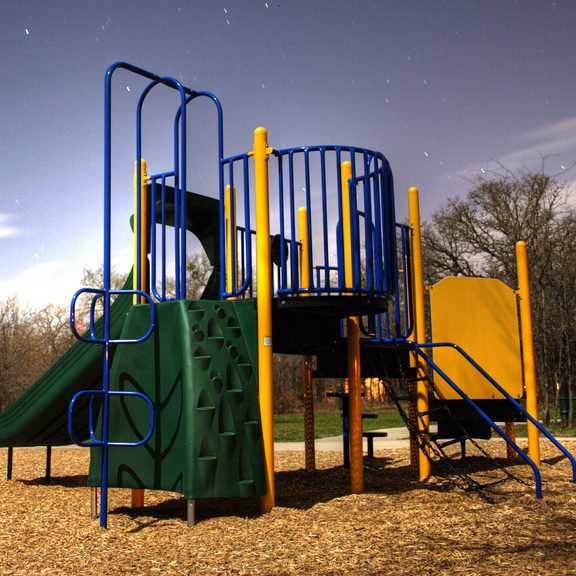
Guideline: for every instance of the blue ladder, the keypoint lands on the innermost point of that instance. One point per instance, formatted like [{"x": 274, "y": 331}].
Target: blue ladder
[{"x": 105, "y": 393}]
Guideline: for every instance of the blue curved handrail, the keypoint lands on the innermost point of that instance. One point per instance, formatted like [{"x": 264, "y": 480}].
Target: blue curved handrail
[
  {"x": 419, "y": 349},
  {"x": 103, "y": 338},
  {"x": 310, "y": 177}
]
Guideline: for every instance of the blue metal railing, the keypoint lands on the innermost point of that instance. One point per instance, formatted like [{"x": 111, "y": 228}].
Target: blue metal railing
[
  {"x": 419, "y": 348},
  {"x": 397, "y": 323},
  {"x": 310, "y": 177},
  {"x": 104, "y": 440},
  {"x": 104, "y": 296},
  {"x": 396, "y": 326}
]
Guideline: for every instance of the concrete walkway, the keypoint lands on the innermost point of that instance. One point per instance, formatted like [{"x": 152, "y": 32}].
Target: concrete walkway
[{"x": 397, "y": 438}]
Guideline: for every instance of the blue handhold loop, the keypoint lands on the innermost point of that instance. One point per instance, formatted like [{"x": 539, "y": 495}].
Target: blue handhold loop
[
  {"x": 100, "y": 293},
  {"x": 92, "y": 418}
]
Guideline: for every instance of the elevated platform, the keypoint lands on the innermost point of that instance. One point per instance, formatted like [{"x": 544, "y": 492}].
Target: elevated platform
[
  {"x": 304, "y": 324},
  {"x": 377, "y": 360},
  {"x": 312, "y": 325}
]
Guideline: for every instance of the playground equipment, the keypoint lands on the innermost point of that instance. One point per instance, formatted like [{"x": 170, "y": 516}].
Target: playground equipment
[
  {"x": 307, "y": 259},
  {"x": 152, "y": 402}
]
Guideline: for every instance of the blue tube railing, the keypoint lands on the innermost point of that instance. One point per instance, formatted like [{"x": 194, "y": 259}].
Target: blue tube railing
[
  {"x": 105, "y": 393},
  {"x": 420, "y": 350},
  {"x": 310, "y": 177}
]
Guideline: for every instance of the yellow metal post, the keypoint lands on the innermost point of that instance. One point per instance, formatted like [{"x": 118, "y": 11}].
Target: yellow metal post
[
  {"x": 353, "y": 346},
  {"x": 528, "y": 350},
  {"x": 230, "y": 230},
  {"x": 424, "y": 466},
  {"x": 264, "y": 306},
  {"x": 140, "y": 282},
  {"x": 304, "y": 248},
  {"x": 307, "y": 387}
]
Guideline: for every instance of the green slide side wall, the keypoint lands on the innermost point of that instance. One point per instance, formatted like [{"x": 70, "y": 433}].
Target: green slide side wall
[
  {"x": 40, "y": 416},
  {"x": 199, "y": 368}
]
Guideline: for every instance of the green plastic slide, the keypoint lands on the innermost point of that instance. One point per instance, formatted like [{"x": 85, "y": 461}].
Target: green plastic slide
[{"x": 40, "y": 416}]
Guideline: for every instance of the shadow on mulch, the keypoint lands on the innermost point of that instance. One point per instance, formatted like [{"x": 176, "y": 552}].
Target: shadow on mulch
[
  {"x": 300, "y": 490},
  {"x": 295, "y": 489},
  {"x": 75, "y": 481}
]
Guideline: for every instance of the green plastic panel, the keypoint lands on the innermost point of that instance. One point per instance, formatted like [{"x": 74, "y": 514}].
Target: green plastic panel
[{"x": 199, "y": 368}]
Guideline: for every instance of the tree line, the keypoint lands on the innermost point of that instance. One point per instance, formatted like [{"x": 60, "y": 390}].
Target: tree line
[
  {"x": 470, "y": 236},
  {"x": 33, "y": 339},
  {"x": 476, "y": 236}
]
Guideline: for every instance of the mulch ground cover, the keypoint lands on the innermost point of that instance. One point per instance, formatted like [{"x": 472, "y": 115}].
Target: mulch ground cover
[{"x": 397, "y": 526}]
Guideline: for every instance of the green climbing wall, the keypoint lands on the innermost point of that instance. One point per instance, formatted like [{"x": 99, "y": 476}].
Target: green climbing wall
[{"x": 199, "y": 368}]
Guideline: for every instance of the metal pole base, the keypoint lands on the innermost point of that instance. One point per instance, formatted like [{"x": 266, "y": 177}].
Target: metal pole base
[
  {"x": 93, "y": 503},
  {"x": 10, "y": 462},
  {"x": 191, "y": 512}
]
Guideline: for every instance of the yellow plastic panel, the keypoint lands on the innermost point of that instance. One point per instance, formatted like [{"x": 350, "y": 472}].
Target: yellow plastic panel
[{"x": 480, "y": 315}]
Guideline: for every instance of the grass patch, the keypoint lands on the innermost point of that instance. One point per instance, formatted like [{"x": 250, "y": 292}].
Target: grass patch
[
  {"x": 290, "y": 427},
  {"x": 328, "y": 422},
  {"x": 555, "y": 428}
]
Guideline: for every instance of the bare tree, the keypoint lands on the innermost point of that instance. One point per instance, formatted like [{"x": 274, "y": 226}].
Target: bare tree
[
  {"x": 476, "y": 236},
  {"x": 30, "y": 342},
  {"x": 198, "y": 271}
]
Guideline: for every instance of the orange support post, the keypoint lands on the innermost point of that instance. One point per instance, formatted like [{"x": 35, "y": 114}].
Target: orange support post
[
  {"x": 308, "y": 390},
  {"x": 353, "y": 347}
]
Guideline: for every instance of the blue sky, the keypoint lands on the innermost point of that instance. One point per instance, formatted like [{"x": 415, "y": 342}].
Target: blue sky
[{"x": 443, "y": 88}]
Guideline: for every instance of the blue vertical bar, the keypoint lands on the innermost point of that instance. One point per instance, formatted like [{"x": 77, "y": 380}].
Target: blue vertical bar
[
  {"x": 247, "y": 251},
  {"x": 309, "y": 212},
  {"x": 106, "y": 282},
  {"x": 339, "y": 237},
  {"x": 283, "y": 275},
  {"x": 379, "y": 230},
  {"x": 232, "y": 230},
  {"x": 325, "y": 237},
  {"x": 183, "y": 175},
  {"x": 354, "y": 226}
]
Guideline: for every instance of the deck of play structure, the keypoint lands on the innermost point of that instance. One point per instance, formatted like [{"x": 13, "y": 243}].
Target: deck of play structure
[{"x": 175, "y": 394}]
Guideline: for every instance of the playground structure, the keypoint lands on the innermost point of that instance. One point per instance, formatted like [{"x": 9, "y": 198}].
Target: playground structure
[{"x": 307, "y": 259}]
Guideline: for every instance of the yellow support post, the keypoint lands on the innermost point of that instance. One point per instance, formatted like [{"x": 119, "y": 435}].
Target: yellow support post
[
  {"x": 304, "y": 248},
  {"x": 353, "y": 347},
  {"x": 231, "y": 255},
  {"x": 424, "y": 466},
  {"x": 528, "y": 350},
  {"x": 308, "y": 390},
  {"x": 264, "y": 306},
  {"x": 140, "y": 282}
]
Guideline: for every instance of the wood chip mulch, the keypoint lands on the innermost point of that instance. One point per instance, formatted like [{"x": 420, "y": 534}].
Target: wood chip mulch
[{"x": 398, "y": 526}]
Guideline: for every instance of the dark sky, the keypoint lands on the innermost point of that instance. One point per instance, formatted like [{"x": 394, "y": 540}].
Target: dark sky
[{"x": 442, "y": 88}]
